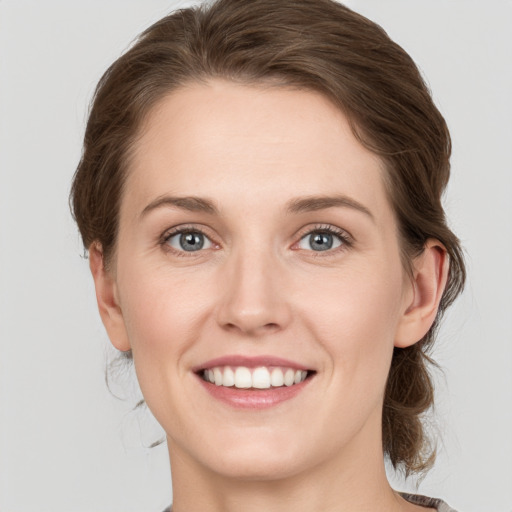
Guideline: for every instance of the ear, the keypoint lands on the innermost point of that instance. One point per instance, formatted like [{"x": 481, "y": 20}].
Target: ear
[
  {"x": 430, "y": 273},
  {"x": 107, "y": 298}
]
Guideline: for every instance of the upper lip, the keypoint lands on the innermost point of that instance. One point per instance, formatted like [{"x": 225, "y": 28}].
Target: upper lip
[{"x": 249, "y": 362}]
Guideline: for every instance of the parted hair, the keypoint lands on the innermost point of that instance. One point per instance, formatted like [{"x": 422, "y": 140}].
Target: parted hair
[{"x": 317, "y": 45}]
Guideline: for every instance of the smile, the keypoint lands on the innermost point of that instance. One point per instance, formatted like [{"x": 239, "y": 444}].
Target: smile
[
  {"x": 262, "y": 377},
  {"x": 253, "y": 382}
]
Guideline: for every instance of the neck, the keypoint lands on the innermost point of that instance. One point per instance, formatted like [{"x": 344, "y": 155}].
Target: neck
[{"x": 355, "y": 480}]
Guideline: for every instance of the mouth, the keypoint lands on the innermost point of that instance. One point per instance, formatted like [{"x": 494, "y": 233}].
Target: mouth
[
  {"x": 253, "y": 382},
  {"x": 261, "y": 377}
]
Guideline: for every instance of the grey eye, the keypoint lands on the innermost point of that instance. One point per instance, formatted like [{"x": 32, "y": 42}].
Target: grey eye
[
  {"x": 320, "y": 241},
  {"x": 189, "y": 241}
]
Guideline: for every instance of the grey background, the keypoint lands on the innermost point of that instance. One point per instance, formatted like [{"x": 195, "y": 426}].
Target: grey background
[{"x": 65, "y": 443}]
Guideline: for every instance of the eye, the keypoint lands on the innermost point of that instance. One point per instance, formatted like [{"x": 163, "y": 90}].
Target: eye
[
  {"x": 323, "y": 239},
  {"x": 188, "y": 240}
]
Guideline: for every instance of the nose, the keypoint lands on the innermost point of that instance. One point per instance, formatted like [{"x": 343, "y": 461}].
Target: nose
[{"x": 253, "y": 297}]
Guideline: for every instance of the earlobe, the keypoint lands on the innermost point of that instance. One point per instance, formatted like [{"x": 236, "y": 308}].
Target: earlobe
[
  {"x": 430, "y": 273},
  {"x": 107, "y": 298}
]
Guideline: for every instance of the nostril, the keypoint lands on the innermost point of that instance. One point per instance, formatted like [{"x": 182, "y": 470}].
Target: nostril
[{"x": 254, "y": 329}]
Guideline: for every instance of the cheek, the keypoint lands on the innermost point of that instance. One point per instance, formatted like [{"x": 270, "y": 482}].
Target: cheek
[
  {"x": 162, "y": 315},
  {"x": 355, "y": 317},
  {"x": 167, "y": 311},
  {"x": 159, "y": 310}
]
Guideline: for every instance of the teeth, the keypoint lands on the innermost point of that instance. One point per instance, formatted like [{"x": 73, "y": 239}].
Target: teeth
[
  {"x": 243, "y": 378},
  {"x": 299, "y": 376},
  {"x": 277, "y": 378},
  {"x": 260, "y": 378},
  {"x": 228, "y": 378},
  {"x": 289, "y": 377},
  {"x": 217, "y": 376}
]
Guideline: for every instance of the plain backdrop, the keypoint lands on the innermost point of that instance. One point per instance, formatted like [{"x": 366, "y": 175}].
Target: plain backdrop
[{"x": 66, "y": 444}]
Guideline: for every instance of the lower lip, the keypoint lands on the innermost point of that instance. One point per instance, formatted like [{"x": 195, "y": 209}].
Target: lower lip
[{"x": 253, "y": 398}]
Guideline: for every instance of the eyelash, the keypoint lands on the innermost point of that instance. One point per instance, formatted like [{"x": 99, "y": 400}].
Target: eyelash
[
  {"x": 345, "y": 239},
  {"x": 183, "y": 230}
]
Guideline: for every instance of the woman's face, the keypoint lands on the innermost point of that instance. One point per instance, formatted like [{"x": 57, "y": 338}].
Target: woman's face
[{"x": 257, "y": 247}]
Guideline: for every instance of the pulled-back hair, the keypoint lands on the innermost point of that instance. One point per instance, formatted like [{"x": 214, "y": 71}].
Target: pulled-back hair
[{"x": 317, "y": 45}]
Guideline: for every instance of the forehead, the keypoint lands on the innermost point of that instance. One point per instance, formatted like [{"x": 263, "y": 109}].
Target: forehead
[{"x": 229, "y": 141}]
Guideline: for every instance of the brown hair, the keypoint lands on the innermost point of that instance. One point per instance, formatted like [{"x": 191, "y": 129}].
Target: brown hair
[{"x": 313, "y": 44}]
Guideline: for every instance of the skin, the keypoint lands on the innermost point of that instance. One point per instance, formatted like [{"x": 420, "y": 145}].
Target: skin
[{"x": 259, "y": 288}]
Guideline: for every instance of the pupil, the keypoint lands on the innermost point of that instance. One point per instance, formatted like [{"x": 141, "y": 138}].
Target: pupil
[
  {"x": 321, "y": 241},
  {"x": 191, "y": 241}
]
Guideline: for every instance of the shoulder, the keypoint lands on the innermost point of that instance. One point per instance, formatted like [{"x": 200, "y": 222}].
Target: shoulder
[
  {"x": 417, "y": 499},
  {"x": 425, "y": 501}
]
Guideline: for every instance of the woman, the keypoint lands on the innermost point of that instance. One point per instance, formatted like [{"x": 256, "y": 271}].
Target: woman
[{"x": 259, "y": 194}]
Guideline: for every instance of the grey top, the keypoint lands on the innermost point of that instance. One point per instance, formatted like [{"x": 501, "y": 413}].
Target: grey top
[{"x": 423, "y": 501}]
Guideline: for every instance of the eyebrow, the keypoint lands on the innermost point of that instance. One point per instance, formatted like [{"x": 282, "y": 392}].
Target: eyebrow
[
  {"x": 190, "y": 203},
  {"x": 314, "y": 203},
  {"x": 295, "y": 206}
]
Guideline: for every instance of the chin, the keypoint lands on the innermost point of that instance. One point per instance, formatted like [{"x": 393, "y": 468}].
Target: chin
[
  {"x": 260, "y": 467},
  {"x": 254, "y": 457}
]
